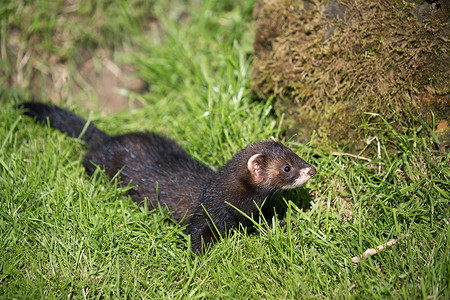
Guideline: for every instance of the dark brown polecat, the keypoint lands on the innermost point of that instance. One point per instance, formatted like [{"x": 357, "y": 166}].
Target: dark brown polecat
[{"x": 164, "y": 174}]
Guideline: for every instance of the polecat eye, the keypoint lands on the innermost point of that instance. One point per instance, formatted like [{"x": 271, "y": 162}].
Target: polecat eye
[{"x": 287, "y": 169}]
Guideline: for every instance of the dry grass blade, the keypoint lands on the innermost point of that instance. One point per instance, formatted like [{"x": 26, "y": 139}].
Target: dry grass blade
[{"x": 352, "y": 155}]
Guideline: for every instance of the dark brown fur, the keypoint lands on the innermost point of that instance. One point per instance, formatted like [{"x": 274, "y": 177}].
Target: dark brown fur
[{"x": 165, "y": 174}]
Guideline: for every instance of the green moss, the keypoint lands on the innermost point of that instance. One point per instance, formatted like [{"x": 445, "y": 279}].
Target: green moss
[{"x": 329, "y": 62}]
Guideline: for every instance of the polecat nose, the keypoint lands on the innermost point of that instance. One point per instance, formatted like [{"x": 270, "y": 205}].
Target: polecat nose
[{"x": 312, "y": 171}]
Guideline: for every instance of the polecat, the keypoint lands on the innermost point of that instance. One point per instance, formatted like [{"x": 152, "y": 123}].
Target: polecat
[{"x": 163, "y": 173}]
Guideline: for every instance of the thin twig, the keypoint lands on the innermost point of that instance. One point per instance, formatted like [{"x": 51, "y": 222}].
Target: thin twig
[
  {"x": 352, "y": 155},
  {"x": 22, "y": 60},
  {"x": 379, "y": 151},
  {"x": 373, "y": 251}
]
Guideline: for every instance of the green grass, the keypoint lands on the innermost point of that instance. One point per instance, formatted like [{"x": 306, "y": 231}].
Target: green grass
[{"x": 65, "y": 235}]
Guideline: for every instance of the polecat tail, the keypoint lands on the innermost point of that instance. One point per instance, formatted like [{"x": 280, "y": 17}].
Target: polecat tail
[{"x": 64, "y": 121}]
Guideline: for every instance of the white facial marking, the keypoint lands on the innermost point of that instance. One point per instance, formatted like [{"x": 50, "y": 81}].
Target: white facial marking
[{"x": 302, "y": 178}]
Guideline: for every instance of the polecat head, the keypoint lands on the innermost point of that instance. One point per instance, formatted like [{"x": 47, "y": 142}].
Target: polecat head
[{"x": 274, "y": 166}]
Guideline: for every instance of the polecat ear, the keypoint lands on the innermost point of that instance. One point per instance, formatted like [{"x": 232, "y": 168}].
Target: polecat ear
[
  {"x": 273, "y": 139},
  {"x": 255, "y": 166}
]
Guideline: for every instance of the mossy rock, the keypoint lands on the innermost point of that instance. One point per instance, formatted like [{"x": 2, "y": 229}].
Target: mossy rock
[{"x": 328, "y": 63}]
